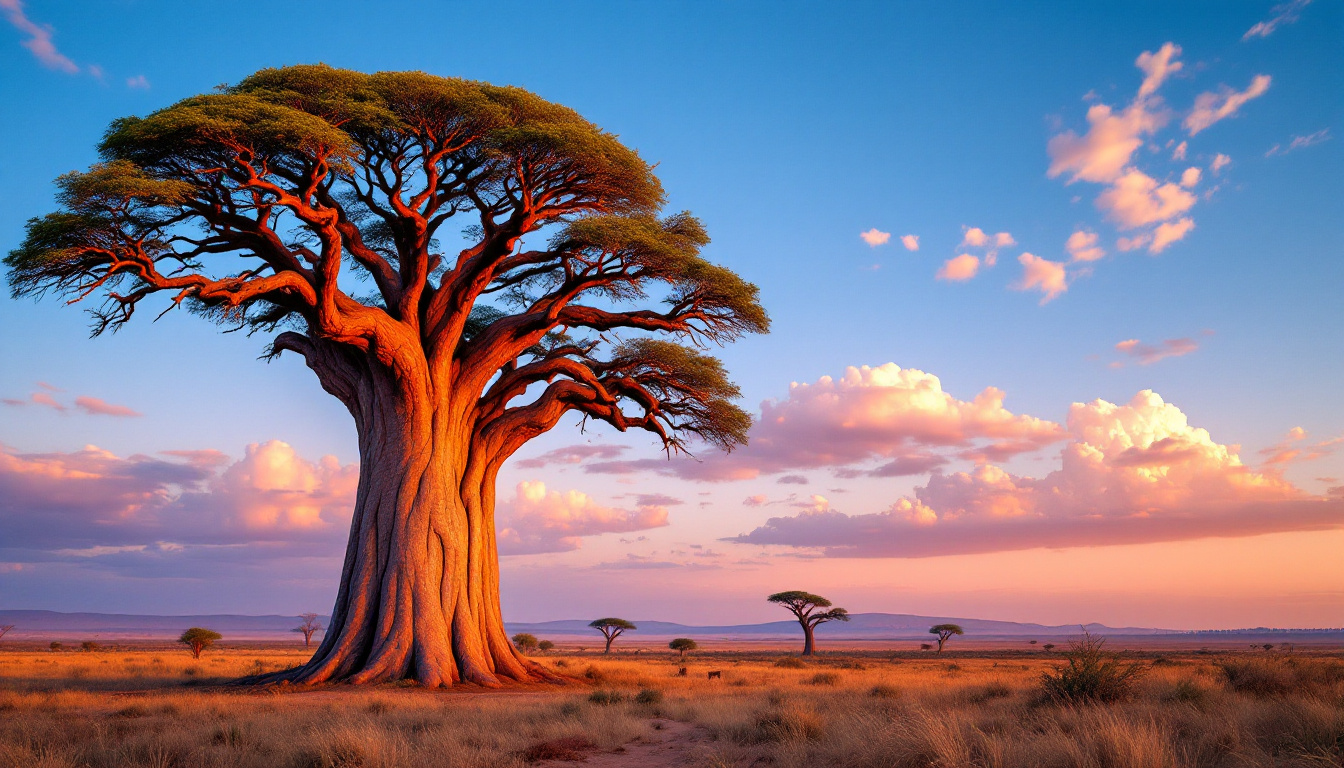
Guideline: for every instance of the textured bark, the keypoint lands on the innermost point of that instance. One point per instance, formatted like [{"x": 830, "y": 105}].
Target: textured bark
[
  {"x": 419, "y": 595},
  {"x": 807, "y": 638}
]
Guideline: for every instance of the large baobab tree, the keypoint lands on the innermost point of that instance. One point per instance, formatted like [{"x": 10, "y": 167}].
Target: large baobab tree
[
  {"x": 810, "y": 610},
  {"x": 460, "y": 264}
]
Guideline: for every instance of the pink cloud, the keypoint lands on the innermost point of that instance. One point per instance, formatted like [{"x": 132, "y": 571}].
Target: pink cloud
[
  {"x": 1169, "y": 232},
  {"x": 1043, "y": 275},
  {"x": 96, "y": 407},
  {"x": 959, "y": 268},
  {"x": 1082, "y": 246},
  {"x": 1285, "y": 13},
  {"x": 1102, "y": 154},
  {"x": 1211, "y": 107},
  {"x": 1300, "y": 142},
  {"x": 536, "y": 520},
  {"x": 868, "y": 414},
  {"x": 1147, "y": 354},
  {"x": 573, "y": 454},
  {"x": 39, "y": 40},
  {"x": 1137, "y": 200},
  {"x": 46, "y": 400},
  {"x": 1132, "y": 473},
  {"x": 875, "y": 237},
  {"x": 1294, "y": 448},
  {"x": 1157, "y": 67},
  {"x": 1220, "y": 161},
  {"x": 911, "y": 242},
  {"x": 92, "y": 497},
  {"x": 1190, "y": 177}
]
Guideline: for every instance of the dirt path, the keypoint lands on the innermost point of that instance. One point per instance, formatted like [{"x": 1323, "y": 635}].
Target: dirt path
[{"x": 668, "y": 744}]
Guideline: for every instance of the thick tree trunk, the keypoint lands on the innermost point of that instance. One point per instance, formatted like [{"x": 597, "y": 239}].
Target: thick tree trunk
[
  {"x": 419, "y": 594},
  {"x": 807, "y": 638}
]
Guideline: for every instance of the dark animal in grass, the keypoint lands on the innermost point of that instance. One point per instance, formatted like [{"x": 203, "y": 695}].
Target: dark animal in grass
[{"x": 715, "y": 675}]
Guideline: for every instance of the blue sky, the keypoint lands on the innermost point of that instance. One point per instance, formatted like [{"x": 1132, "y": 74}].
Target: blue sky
[{"x": 790, "y": 128}]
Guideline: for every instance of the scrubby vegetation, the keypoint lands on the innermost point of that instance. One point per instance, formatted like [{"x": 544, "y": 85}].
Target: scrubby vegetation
[{"x": 142, "y": 708}]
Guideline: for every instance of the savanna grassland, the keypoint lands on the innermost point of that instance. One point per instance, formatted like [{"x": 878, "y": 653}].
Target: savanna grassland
[{"x": 159, "y": 708}]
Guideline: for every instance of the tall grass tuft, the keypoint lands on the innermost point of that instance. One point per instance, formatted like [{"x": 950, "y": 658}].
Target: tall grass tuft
[{"x": 1090, "y": 674}]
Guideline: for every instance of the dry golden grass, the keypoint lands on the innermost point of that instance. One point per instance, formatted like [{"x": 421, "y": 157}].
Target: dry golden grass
[{"x": 163, "y": 709}]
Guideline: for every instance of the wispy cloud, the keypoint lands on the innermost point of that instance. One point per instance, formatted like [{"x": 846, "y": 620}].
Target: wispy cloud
[
  {"x": 1300, "y": 142},
  {"x": 93, "y": 406},
  {"x": 139, "y": 82},
  {"x": 1212, "y": 107},
  {"x": 1147, "y": 354},
  {"x": 1285, "y": 13},
  {"x": 39, "y": 40}
]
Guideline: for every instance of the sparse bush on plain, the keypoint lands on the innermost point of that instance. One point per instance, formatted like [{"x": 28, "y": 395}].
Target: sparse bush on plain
[
  {"x": 824, "y": 678},
  {"x": 89, "y": 646},
  {"x": 606, "y": 698},
  {"x": 649, "y": 696},
  {"x": 545, "y": 645},
  {"x": 1090, "y": 674},
  {"x": 525, "y": 642},
  {"x": 884, "y": 692},
  {"x": 790, "y": 662}
]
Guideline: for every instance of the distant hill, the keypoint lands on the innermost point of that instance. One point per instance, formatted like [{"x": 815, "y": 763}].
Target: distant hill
[{"x": 860, "y": 626}]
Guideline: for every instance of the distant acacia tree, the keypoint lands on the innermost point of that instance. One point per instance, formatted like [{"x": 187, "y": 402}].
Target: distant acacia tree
[
  {"x": 198, "y": 639},
  {"x": 683, "y": 644},
  {"x": 945, "y": 631},
  {"x": 545, "y": 645},
  {"x": 525, "y": 642},
  {"x": 264, "y": 205},
  {"x": 611, "y": 629},
  {"x": 809, "y": 610},
  {"x": 1049, "y": 647},
  {"x": 4, "y": 629},
  {"x": 308, "y": 628},
  {"x": 926, "y": 646}
]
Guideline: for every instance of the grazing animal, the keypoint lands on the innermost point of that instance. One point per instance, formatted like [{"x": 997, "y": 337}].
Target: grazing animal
[
  {"x": 681, "y": 672},
  {"x": 718, "y": 674}
]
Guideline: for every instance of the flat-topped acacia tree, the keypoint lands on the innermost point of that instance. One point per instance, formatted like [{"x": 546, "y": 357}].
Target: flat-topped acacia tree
[{"x": 318, "y": 204}]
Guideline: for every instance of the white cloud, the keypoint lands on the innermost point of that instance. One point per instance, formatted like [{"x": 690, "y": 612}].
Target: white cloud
[
  {"x": 959, "y": 268},
  {"x": 1043, "y": 275},
  {"x": 1082, "y": 246},
  {"x": 911, "y": 242},
  {"x": 875, "y": 237},
  {"x": 1211, "y": 107}
]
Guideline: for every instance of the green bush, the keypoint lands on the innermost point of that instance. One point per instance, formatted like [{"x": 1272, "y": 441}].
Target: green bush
[{"x": 1090, "y": 674}]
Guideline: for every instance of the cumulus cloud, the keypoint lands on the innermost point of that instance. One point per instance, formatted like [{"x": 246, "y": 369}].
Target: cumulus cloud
[
  {"x": 92, "y": 497},
  {"x": 875, "y": 237},
  {"x": 1147, "y": 354},
  {"x": 1220, "y": 161},
  {"x": 959, "y": 268},
  {"x": 1285, "y": 13},
  {"x": 1132, "y": 473},
  {"x": 887, "y": 413},
  {"x": 1102, "y": 154},
  {"x": 1170, "y": 232},
  {"x": 975, "y": 237},
  {"x": 39, "y": 40},
  {"x": 1190, "y": 177},
  {"x": 1300, "y": 142},
  {"x": 1082, "y": 246},
  {"x": 1211, "y": 107},
  {"x": 1046, "y": 276},
  {"x": 911, "y": 242},
  {"x": 1137, "y": 200},
  {"x": 536, "y": 520},
  {"x": 573, "y": 454}
]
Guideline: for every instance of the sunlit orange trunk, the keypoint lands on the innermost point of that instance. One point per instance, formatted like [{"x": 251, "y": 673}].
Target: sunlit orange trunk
[{"x": 419, "y": 595}]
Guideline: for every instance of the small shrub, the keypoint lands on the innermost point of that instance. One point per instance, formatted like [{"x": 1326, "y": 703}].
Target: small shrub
[
  {"x": 885, "y": 692},
  {"x": 994, "y": 690},
  {"x": 788, "y": 724},
  {"x": 824, "y": 678},
  {"x": 649, "y": 696},
  {"x": 790, "y": 662},
  {"x": 561, "y": 663},
  {"x": 525, "y": 642},
  {"x": 545, "y": 645},
  {"x": 88, "y": 646},
  {"x": 606, "y": 698},
  {"x": 1187, "y": 692},
  {"x": 1259, "y": 677},
  {"x": 1090, "y": 674},
  {"x": 55, "y": 646},
  {"x": 594, "y": 674}
]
